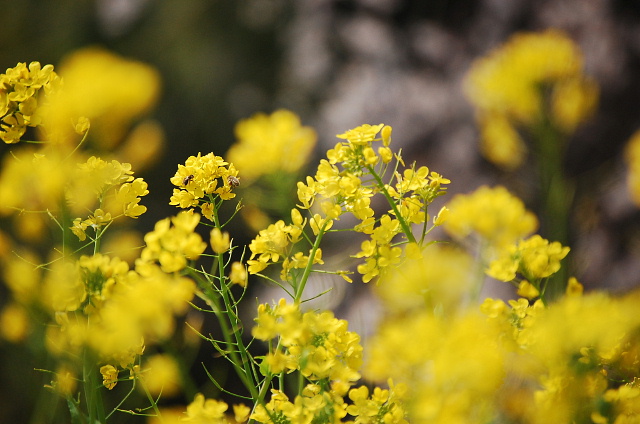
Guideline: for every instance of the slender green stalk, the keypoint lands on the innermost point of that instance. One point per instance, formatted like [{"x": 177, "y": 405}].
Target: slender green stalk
[
  {"x": 406, "y": 228},
  {"x": 307, "y": 270},
  {"x": 92, "y": 386},
  {"x": 556, "y": 195}
]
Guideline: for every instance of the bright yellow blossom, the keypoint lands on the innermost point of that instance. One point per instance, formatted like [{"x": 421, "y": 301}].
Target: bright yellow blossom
[
  {"x": 206, "y": 411},
  {"x": 270, "y": 143},
  {"x": 535, "y": 258},
  {"x": 512, "y": 86},
  {"x": 106, "y": 89},
  {"x": 173, "y": 246},
  {"x": 219, "y": 240},
  {"x": 494, "y": 214},
  {"x": 201, "y": 179},
  {"x": 23, "y": 91},
  {"x": 109, "y": 376}
]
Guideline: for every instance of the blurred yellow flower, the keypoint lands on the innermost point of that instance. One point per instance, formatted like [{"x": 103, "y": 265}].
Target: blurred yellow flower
[
  {"x": 493, "y": 214},
  {"x": 108, "y": 90},
  {"x": 162, "y": 375},
  {"x": 270, "y": 143},
  {"x": 532, "y": 77}
]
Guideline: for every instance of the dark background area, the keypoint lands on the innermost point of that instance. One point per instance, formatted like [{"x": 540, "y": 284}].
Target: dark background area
[{"x": 339, "y": 64}]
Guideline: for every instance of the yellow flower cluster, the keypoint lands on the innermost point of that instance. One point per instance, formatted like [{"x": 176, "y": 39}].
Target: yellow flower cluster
[
  {"x": 321, "y": 348},
  {"x": 201, "y": 180},
  {"x": 102, "y": 89},
  {"x": 451, "y": 367},
  {"x": 111, "y": 184},
  {"x": 581, "y": 357},
  {"x": 270, "y": 143},
  {"x": 345, "y": 182},
  {"x": 99, "y": 303},
  {"x": 171, "y": 246},
  {"x": 445, "y": 284},
  {"x": 317, "y": 344},
  {"x": 211, "y": 411},
  {"x": 21, "y": 89},
  {"x": 494, "y": 215},
  {"x": 275, "y": 244},
  {"x": 511, "y": 87},
  {"x": 575, "y": 360},
  {"x": 534, "y": 258},
  {"x": 312, "y": 404}
]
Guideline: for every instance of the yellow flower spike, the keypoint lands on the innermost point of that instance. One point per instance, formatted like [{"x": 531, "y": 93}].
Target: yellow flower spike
[
  {"x": 109, "y": 376},
  {"x": 23, "y": 92},
  {"x": 219, "y": 240}
]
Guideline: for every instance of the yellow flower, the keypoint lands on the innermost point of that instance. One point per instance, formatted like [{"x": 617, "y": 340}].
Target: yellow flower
[
  {"x": 241, "y": 412},
  {"x": 23, "y": 91},
  {"x": 219, "y": 240},
  {"x": 271, "y": 143},
  {"x": 238, "y": 274},
  {"x": 528, "y": 290},
  {"x": 162, "y": 375},
  {"x": 206, "y": 411},
  {"x": 500, "y": 142},
  {"x": 494, "y": 214},
  {"x": 109, "y": 376},
  {"x": 104, "y": 88},
  {"x": 441, "y": 278},
  {"x": 200, "y": 177},
  {"x": 362, "y": 135},
  {"x": 14, "y": 323},
  {"x": 65, "y": 382},
  {"x": 535, "y": 258},
  {"x": 172, "y": 246},
  {"x": 574, "y": 288},
  {"x": 530, "y": 76}
]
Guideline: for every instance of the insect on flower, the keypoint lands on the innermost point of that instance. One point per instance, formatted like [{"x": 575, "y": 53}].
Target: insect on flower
[
  {"x": 233, "y": 181},
  {"x": 187, "y": 180}
]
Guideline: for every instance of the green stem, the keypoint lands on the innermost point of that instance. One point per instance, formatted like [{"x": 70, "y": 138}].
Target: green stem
[
  {"x": 92, "y": 386},
  {"x": 556, "y": 195},
  {"x": 307, "y": 270},
  {"x": 406, "y": 228},
  {"x": 230, "y": 325}
]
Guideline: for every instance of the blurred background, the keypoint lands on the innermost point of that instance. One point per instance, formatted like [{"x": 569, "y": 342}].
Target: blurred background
[{"x": 339, "y": 64}]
